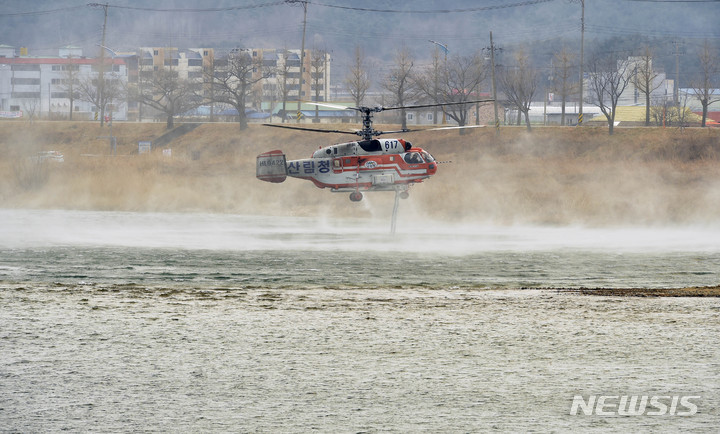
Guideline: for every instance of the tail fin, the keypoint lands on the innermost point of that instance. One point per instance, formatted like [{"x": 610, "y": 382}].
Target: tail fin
[{"x": 271, "y": 167}]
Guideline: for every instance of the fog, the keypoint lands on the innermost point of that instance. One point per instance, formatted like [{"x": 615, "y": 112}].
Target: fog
[{"x": 59, "y": 228}]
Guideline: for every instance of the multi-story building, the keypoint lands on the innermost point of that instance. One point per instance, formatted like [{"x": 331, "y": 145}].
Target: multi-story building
[
  {"x": 309, "y": 83},
  {"x": 189, "y": 62},
  {"x": 39, "y": 86},
  {"x": 284, "y": 66}
]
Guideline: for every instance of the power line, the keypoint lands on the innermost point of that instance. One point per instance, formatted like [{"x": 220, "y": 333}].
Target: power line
[
  {"x": 435, "y": 11},
  {"x": 612, "y": 30},
  {"x": 47, "y": 12},
  {"x": 191, "y": 10},
  {"x": 675, "y": 1}
]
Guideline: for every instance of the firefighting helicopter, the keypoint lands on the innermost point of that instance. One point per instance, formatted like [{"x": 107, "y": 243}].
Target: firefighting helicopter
[{"x": 368, "y": 164}]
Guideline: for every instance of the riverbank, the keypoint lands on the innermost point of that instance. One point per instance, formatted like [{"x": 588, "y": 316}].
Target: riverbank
[
  {"x": 705, "y": 291},
  {"x": 551, "y": 176}
]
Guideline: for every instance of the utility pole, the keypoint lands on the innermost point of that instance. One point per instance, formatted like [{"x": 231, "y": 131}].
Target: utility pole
[
  {"x": 676, "y": 88},
  {"x": 302, "y": 50},
  {"x": 494, "y": 88},
  {"x": 101, "y": 73},
  {"x": 582, "y": 61},
  {"x": 304, "y": 4}
]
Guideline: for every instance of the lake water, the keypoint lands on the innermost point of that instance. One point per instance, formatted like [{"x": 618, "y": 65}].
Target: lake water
[{"x": 196, "y": 322}]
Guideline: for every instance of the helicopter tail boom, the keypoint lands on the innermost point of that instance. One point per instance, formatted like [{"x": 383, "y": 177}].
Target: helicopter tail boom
[{"x": 271, "y": 167}]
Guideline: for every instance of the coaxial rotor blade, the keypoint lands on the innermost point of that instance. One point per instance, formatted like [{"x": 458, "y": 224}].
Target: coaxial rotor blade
[
  {"x": 428, "y": 129},
  {"x": 454, "y": 128},
  {"x": 436, "y": 105},
  {"x": 338, "y": 107},
  {"x": 316, "y": 130}
]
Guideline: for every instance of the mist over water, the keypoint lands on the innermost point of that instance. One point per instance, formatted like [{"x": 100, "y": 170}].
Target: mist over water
[
  {"x": 33, "y": 228},
  {"x": 299, "y": 252}
]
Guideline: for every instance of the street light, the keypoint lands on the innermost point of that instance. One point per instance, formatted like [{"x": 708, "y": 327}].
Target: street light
[
  {"x": 109, "y": 49},
  {"x": 445, "y": 49}
]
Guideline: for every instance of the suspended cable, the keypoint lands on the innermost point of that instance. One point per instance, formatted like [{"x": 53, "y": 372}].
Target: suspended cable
[
  {"x": 49, "y": 11},
  {"x": 436, "y": 11},
  {"x": 191, "y": 10}
]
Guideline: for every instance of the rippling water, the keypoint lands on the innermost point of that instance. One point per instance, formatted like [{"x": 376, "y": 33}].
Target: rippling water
[{"x": 191, "y": 322}]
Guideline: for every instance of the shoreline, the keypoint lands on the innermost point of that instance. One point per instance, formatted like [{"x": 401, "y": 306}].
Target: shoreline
[{"x": 691, "y": 291}]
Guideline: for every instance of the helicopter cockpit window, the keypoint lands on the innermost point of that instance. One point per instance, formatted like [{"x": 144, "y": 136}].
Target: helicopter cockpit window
[
  {"x": 370, "y": 145},
  {"x": 429, "y": 158},
  {"x": 413, "y": 158}
]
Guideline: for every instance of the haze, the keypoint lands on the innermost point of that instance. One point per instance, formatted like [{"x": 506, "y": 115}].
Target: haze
[{"x": 340, "y": 25}]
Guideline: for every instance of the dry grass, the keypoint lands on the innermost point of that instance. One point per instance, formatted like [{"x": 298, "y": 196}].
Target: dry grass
[{"x": 550, "y": 176}]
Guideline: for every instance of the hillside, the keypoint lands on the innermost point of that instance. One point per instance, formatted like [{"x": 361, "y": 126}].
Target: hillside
[{"x": 549, "y": 176}]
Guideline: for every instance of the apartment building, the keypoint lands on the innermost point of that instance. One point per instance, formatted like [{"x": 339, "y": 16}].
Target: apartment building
[
  {"x": 189, "y": 62},
  {"x": 38, "y": 85},
  {"x": 309, "y": 83}
]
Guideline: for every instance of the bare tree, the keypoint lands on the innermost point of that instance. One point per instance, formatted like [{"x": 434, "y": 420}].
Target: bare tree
[
  {"x": 563, "y": 74},
  {"x": 666, "y": 113},
  {"x": 520, "y": 83},
  {"x": 707, "y": 77},
  {"x": 234, "y": 82},
  {"x": 285, "y": 81},
  {"x": 644, "y": 79},
  {"x": 358, "y": 78},
  {"x": 31, "y": 107},
  {"x": 461, "y": 83},
  {"x": 400, "y": 83},
  {"x": 164, "y": 91},
  {"x": 608, "y": 78},
  {"x": 431, "y": 81},
  {"x": 101, "y": 91}
]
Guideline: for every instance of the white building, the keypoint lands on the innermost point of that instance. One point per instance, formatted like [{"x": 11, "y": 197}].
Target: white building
[
  {"x": 661, "y": 89},
  {"x": 38, "y": 85}
]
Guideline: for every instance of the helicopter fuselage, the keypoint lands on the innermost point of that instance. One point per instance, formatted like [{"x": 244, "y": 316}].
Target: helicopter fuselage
[{"x": 365, "y": 165}]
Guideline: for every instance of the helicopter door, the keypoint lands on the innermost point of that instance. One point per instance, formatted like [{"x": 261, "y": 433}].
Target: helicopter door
[
  {"x": 344, "y": 163},
  {"x": 337, "y": 165}
]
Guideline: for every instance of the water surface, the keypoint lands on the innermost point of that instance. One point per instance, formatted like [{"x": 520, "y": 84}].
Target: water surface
[{"x": 189, "y": 322}]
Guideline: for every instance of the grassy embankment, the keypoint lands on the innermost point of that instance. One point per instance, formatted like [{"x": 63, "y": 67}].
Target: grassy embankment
[{"x": 549, "y": 176}]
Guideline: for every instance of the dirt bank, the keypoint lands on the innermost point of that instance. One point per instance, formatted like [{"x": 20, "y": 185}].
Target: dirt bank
[
  {"x": 706, "y": 291},
  {"x": 551, "y": 176}
]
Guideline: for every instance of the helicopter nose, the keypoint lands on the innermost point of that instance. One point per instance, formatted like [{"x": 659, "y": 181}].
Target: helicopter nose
[{"x": 432, "y": 168}]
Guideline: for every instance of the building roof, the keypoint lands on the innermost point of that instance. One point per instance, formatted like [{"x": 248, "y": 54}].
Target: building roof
[
  {"x": 190, "y": 54},
  {"x": 715, "y": 116},
  {"x": 59, "y": 60},
  {"x": 692, "y": 91}
]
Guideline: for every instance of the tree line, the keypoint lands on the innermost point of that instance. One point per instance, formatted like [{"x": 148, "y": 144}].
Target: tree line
[
  {"x": 607, "y": 75},
  {"x": 236, "y": 80}
]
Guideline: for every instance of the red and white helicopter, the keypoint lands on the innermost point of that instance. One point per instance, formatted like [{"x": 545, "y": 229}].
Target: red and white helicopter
[{"x": 368, "y": 164}]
